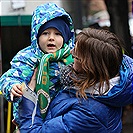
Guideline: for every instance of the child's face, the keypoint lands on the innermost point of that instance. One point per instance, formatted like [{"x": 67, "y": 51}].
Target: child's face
[{"x": 50, "y": 40}]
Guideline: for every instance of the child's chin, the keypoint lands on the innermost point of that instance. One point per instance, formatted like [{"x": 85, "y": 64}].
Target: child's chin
[{"x": 51, "y": 51}]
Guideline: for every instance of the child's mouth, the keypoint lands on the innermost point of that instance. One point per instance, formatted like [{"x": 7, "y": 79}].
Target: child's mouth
[{"x": 50, "y": 45}]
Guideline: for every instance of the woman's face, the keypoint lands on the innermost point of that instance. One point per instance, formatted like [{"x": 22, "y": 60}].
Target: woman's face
[
  {"x": 50, "y": 40},
  {"x": 77, "y": 61}
]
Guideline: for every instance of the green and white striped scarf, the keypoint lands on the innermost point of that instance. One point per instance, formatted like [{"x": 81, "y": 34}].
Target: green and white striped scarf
[{"x": 43, "y": 81}]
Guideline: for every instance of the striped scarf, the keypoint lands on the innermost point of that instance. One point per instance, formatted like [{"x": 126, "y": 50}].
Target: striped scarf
[{"x": 43, "y": 81}]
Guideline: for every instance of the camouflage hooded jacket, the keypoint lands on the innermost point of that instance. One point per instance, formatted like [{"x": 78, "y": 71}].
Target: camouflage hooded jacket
[{"x": 26, "y": 60}]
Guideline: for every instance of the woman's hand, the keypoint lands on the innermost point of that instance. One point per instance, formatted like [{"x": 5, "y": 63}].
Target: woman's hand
[
  {"x": 16, "y": 91},
  {"x": 32, "y": 82}
]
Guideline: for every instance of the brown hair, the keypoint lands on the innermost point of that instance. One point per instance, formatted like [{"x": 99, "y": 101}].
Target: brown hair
[{"x": 100, "y": 53}]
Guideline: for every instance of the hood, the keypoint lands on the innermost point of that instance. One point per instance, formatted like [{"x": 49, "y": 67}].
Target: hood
[
  {"x": 95, "y": 89},
  {"x": 121, "y": 94},
  {"x": 41, "y": 15}
]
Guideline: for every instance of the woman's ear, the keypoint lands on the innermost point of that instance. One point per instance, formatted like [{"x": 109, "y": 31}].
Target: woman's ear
[{"x": 71, "y": 50}]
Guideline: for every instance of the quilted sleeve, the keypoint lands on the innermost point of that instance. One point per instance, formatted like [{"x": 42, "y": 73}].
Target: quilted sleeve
[
  {"x": 65, "y": 116},
  {"x": 22, "y": 67}
]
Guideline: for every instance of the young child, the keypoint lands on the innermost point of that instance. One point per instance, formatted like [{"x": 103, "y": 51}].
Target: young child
[{"x": 52, "y": 37}]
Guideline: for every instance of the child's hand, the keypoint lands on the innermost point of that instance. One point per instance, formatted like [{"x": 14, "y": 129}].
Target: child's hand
[{"x": 16, "y": 91}]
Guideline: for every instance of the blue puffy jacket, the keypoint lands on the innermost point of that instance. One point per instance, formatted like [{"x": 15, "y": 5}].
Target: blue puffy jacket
[{"x": 68, "y": 114}]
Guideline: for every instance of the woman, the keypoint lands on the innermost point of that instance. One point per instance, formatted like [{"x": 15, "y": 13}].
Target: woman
[{"x": 94, "y": 89}]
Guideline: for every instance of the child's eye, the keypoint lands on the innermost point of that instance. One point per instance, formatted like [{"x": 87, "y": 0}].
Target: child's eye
[
  {"x": 45, "y": 33},
  {"x": 57, "y": 33}
]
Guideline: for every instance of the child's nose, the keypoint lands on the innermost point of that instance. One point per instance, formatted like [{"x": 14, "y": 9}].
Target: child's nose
[{"x": 51, "y": 37}]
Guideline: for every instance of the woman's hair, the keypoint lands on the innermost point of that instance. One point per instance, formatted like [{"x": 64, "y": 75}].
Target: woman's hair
[{"x": 100, "y": 53}]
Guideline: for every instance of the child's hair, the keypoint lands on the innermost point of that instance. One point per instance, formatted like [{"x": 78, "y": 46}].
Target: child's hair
[{"x": 100, "y": 54}]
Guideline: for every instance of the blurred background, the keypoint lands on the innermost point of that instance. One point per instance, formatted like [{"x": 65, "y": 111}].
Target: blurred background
[{"x": 15, "y": 20}]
